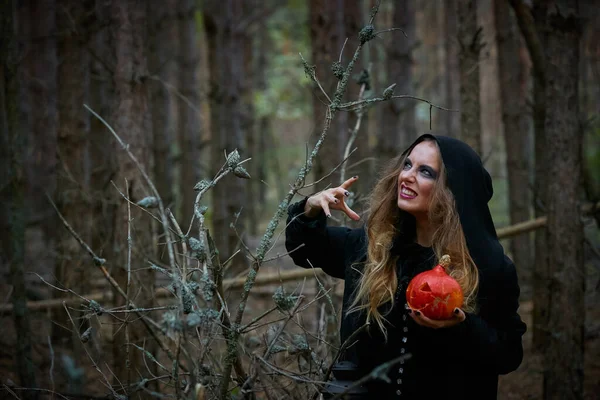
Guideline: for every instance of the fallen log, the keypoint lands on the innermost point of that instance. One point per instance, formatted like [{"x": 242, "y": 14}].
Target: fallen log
[
  {"x": 276, "y": 277},
  {"x": 531, "y": 225},
  {"x": 234, "y": 283}
]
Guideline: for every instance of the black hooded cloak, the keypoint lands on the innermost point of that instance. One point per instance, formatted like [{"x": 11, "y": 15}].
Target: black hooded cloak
[{"x": 463, "y": 361}]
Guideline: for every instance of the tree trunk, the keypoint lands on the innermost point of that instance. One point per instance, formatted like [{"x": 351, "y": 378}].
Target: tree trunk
[
  {"x": 164, "y": 65},
  {"x": 354, "y": 21},
  {"x": 102, "y": 149},
  {"x": 492, "y": 144},
  {"x": 39, "y": 120},
  {"x": 190, "y": 125},
  {"x": 257, "y": 143},
  {"x": 513, "y": 93},
  {"x": 13, "y": 191},
  {"x": 131, "y": 120},
  {"x": 532, "y": 26},
  {"x": 249, "y": 85},
  {"x": 261, "y": 132},
  {"x": 74, "y": 167},
  {"x": 221, "y": 21},
  {"x": 563, "y": 367},
  {"x": 590, "y": 99},
  {"x": 469, "y": 39},
  {"x": 327, "y": 34},
  {"x": 398, "y": 128},
  {"x": 452, "y": 74}
]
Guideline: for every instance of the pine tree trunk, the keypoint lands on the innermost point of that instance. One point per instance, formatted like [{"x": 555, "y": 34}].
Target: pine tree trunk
[
  {"x": 355, "y": 20},
  {"x": 469, "y": 38},
  {"x": 164, "y": 64},
  {"x": 39, "y": 120},
  {"x": 13, "y": 191},
  {"x": 249, "y": 120},
  {"x": 102, "y": 149},
  {"x": 262, "y": 131},
  {"x": 225, "y": 54},
  {"x": 398, "y": 128},
  {"x": 74, "y": 167},
  {"x": 452, "y": 74},
  {"x": 327, "y": 34},
  {"x": 190, "y": 125},
  {"x": 563, "y": 367},
  {"x": 131, "y": 120},
  {"x": 513, "y": 94}
]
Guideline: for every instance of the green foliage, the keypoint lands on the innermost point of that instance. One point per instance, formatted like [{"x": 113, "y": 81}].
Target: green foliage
[{"x": 285, "y": 95}]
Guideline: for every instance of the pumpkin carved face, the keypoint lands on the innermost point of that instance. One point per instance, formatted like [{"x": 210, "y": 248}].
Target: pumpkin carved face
[{"x": 435, "y": 293}]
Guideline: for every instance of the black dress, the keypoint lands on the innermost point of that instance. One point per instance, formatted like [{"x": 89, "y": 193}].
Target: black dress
[{"x": 463, "y": 361}]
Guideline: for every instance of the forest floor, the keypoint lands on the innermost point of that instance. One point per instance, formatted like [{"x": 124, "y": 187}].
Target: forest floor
[{"x": 525, "y": 383}]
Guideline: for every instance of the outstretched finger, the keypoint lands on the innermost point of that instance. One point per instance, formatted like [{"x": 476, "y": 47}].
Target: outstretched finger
[
  {"x": 349, "y": 212},
  {"x": 349, "y": 182}
]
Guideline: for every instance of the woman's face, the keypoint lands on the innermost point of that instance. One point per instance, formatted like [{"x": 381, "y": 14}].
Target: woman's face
[{"x": 417, "y": 178}]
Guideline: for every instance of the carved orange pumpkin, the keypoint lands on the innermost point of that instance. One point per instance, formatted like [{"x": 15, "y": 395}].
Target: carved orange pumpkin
[{"x": 435, "y": 293}]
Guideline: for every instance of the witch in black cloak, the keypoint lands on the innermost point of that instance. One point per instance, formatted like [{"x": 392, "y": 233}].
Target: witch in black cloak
[{"x": 429, "y": 201}]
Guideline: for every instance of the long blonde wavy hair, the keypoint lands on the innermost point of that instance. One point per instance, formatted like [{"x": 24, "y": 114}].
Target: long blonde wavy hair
[{"x": 379, "y": 282}]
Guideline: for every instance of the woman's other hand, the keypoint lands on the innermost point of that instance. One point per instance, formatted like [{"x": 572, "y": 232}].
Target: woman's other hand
[
  {"x": 334, "y": 198},
  {"x": 457, "y": 317}
]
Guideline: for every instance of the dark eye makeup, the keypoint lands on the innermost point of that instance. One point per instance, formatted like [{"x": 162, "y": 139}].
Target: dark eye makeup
[{"x": 426, "y": 170}]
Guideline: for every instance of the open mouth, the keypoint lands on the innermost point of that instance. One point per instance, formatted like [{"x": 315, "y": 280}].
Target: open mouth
[{"x": 407, "y": 193}]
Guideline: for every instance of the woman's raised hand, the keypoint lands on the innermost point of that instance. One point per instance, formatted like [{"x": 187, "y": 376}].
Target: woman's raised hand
[{"x": 334, "y": 198}]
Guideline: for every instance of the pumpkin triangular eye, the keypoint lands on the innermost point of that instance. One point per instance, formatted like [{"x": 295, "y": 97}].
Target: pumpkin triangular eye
[{"x": 425, "y": 287}]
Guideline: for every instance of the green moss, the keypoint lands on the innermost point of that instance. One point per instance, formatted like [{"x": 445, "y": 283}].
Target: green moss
[
  {"x": 250, "y": 279},
  {"x": 337, "y": 69},
  {"x": 95, "y": 307},
  {"x": 202, "y": 185},
  {"x": 282, "y": 301},
  {"x": 208, "y": 286},
  {"x": 233, "y": 159},
  {"x": 367, "y": 33},
  {"x": 202, "y": 317}
]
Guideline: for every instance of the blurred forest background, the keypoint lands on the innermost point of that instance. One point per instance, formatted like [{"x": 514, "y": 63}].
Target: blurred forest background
[{"x": 157, "y": 291}]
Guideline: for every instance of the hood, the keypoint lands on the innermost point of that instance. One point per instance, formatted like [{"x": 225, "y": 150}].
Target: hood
[{"x": 471, "y": 186}]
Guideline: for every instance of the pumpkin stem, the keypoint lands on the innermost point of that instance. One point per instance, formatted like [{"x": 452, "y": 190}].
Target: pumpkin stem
[{"x": 445, "y": 261}]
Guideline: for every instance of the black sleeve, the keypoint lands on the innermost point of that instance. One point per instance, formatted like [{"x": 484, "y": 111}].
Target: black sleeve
[
  {"x": 310, "y": 240},
  {"x": 491, "y": 340}
]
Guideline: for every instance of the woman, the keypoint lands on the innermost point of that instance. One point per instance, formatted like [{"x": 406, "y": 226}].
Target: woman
[{"x": 431, "y": 200}]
